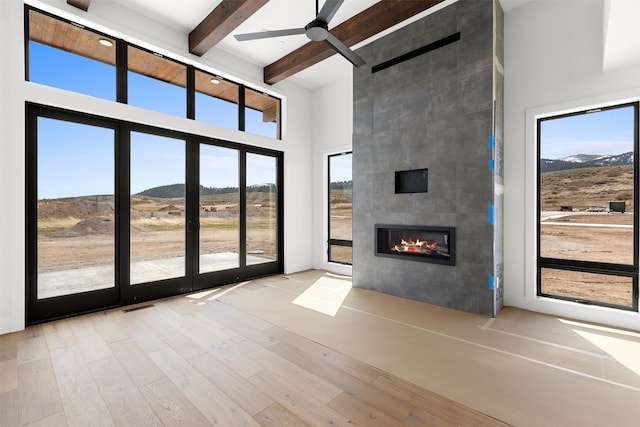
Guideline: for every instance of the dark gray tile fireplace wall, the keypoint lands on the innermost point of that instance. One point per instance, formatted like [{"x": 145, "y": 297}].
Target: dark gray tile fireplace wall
[{"x": 433, "y": 111}]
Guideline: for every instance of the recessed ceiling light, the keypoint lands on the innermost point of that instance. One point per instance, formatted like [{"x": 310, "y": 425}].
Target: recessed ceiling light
[
  {"x": 215, "y": 81},
  {"x": 105, "y": 42}
]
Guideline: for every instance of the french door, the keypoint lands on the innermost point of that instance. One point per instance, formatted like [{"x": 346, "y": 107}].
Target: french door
[{"x": 120, "y": 213}]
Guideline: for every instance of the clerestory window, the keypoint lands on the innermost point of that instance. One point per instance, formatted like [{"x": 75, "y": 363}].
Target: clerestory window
[{"x": 69, "y": 56}]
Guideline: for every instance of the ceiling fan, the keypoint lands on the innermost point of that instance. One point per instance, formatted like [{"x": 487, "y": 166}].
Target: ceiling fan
[{"x": 316, "y": 30}]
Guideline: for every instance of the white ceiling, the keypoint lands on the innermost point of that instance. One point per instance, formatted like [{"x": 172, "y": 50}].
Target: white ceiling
[
  {"x": 276, "y": 14},
  {"x": 621, "y": 34}
]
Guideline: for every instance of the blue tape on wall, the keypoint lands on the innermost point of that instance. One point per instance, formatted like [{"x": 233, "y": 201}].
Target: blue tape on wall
[
  {"x": 490, "y": 213},
  {"x": 491, "y": 165},
  {"x": 490, "y": 142},
  {"x": 490, "y": 281}
]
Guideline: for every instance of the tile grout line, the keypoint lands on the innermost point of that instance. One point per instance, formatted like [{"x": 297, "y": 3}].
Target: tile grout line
[{"x": 486, "y": 347}]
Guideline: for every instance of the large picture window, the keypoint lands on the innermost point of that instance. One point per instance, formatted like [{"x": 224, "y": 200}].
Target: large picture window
[{"x": 587, "y": 197}]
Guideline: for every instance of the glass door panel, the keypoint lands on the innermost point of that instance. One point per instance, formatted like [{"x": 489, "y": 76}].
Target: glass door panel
[
  {"x": 219, "y": 247},
  {"x": 261, "y": 209},
  {"x": 75, "y": 208},
  {"x": 157, "y": 197}
]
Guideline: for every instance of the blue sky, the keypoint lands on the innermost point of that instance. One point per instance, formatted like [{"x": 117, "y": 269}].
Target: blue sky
[
  {"x": 341, "y": 168},
  {"x": 66, "y": 168},
  {"x": 78, "y": 160},
  {"x": 605, "y": 132}
]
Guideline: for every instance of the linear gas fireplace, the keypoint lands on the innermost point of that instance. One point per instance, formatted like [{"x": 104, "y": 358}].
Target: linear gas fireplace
[{"x": 416, "y": 243}]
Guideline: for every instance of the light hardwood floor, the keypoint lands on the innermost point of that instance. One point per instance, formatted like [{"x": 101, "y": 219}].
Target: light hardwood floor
[
  {"x": 524, "y": 368},
  {"x": 195, "y": 360}
]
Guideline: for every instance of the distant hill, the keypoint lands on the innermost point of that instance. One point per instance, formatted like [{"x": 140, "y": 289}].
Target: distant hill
[
  {"x": 165, "y": 191},
  {"x": 178, "y": 190},
  {"x": 588, "y": 186},
  {"x": 585, "y": 161}
]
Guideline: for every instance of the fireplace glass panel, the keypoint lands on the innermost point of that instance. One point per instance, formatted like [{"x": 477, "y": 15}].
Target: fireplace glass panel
[{"x": 429, "y": 244}]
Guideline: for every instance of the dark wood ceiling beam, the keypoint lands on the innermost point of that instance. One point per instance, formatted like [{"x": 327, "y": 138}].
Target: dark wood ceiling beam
[
  {"x": 367, "y": 23},
  {"x": 80, "y": 4},
  {"x": 220, "y": 22}
]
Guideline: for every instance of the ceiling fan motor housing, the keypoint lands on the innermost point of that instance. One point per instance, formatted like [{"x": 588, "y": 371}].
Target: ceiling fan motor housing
[{"x": 317, "y": 30}]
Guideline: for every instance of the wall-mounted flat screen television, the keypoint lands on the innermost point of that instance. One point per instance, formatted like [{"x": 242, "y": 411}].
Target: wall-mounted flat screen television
[{"x": 412, "y": 181}]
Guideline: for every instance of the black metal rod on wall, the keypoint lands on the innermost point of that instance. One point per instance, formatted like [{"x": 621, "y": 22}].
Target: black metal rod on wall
[
  {"x": 191, "y": 92},
  {"x": 416, "y": 52},
  {"x": 122, "y": 64},
  {"x": 241, "y": 107}
]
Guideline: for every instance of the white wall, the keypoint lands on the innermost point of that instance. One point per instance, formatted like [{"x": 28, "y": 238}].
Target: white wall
[
  {"x": 332, "y": 130},
  {"x": 12, "y": 171},
  {"x": 108, "y": 17},
  {"x": 553, "y": 62}
]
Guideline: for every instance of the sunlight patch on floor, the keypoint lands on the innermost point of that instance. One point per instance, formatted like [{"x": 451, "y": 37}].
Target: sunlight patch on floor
[
  {"x": 607, "y": 329},
  {"x": 203, "y": 294},
  {"x": 617, "y": 343},
  {"x": 214, "y": 294},
  {"x": 325, "y": 295},
  {"x": 226, "y": 290},
  {"x": 622, "y": 350}
]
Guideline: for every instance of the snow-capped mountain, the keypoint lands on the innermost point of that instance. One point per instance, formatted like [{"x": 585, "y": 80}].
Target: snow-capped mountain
[
  {"x": 581, "y": 158},
  {"x": 585, "y": 161},
  {"x": 620, "y": 159}
]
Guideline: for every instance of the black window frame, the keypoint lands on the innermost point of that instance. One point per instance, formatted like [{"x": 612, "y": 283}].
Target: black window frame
[
  {"x": 330, "y": 241},
  {"x": 37, "y": 311},
  {"x": 121, "y": 89},
  {"x": 605, "y": 268}
]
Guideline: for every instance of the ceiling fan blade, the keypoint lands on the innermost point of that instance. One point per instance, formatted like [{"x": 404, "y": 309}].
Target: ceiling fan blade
[
  {"x": 329, "y": 9},
  {"x": 268, "y": 34},
  {"x": 343, "y": 50}
]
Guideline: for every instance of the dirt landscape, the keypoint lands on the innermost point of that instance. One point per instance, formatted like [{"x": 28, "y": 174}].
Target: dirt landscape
[
  {"x": 587, "y": 237},
  {"x": 341, "y": 223},
  {"x": 79, "y": 232},
  {"x": 575, "y": 225},
  {"x": 586, "y": 187}
]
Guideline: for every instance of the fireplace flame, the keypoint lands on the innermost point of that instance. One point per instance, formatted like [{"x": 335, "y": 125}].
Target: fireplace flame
[{"x": 422, "y": 247}]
